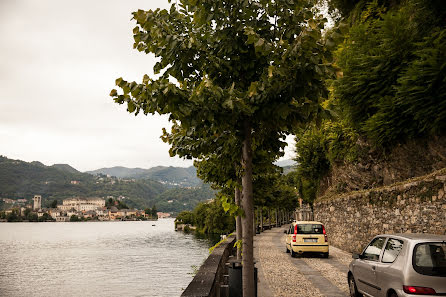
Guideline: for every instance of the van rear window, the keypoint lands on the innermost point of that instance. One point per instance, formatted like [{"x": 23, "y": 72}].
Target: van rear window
[
  {"x": 430, "y": 258},
  {"x": 309, "y": 229}
]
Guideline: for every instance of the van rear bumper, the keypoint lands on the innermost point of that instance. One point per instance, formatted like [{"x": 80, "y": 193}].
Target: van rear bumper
[{"x": 303, "y": 248}]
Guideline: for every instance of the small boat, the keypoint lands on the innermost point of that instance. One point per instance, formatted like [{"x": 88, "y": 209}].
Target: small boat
[{"x": 153, "y": 225}]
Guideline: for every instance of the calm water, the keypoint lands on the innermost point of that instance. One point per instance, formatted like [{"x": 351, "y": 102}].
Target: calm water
[{"x": 97, "y": 259}]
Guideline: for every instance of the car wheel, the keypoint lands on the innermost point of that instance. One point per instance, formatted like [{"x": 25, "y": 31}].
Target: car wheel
[
  {"x": 393, "y": 294},
  {"x": 287, "y": 250},
  {"x": 293, "y": 254},
  {"x": 326, "y": 255},
  {"x": 352, "y": 286}
]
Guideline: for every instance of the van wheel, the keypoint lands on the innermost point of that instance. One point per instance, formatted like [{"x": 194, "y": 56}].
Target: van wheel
[
  {"x": 325, "y": 255},
  {"x": 352, "y": 287},
  {"x": 293, "y": 254},
  {"x": 287, "y": 250},
  {"x": 393, "y": 294}
]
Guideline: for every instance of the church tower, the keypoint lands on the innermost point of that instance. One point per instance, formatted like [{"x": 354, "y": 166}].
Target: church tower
[{"x": 37, "y": 202}]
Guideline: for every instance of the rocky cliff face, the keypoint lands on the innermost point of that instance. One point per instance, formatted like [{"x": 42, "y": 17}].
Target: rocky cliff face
[{"x": 376, "y": 169}]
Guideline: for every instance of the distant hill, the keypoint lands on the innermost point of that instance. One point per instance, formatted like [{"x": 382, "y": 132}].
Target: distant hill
[
  {"x": 65, "y": 167},
  {"x": 172, "y": 176},
  {"x": 118, "y": 171},
  {"x": 285, "y": 163},
  {"x": 19, "y": 179},
  {"x": 288, "y": 169}
]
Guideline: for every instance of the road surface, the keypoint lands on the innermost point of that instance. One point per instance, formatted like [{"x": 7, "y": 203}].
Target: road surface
[{"x": 303, "y": 276}]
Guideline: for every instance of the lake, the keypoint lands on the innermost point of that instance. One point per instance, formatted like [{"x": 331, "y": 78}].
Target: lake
[{"x": 97, "y": 259}]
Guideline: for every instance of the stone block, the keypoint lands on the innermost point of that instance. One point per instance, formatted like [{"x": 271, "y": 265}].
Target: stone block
[{"x": 440, "y": 194}]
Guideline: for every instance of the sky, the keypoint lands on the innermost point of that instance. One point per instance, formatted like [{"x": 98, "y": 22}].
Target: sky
[{"x": 58, "y": 62}]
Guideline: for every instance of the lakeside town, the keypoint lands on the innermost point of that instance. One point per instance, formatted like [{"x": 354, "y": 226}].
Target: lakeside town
[{"x": 76, "y": 209}]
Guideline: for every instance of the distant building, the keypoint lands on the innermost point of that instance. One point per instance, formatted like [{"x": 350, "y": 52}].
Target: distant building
[
  {"x": 63, "y": 219},
  {"x": 37, "y": 202},
  {"x": 82, "y": 204},
  {"x": 75, "y": 182},
  {"x": 162, "y": 215}
]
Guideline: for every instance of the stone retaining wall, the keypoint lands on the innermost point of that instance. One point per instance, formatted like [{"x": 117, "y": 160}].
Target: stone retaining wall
[
  {"x": 210, "y": 276},
  {"x": 415, "y": 206}
]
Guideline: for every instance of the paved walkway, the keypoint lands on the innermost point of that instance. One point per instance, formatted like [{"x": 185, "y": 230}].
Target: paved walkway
[{"x": 282, "y": 275}]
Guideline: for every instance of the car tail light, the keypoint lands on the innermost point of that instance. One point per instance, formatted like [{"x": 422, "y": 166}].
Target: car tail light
[
  {"x": 419, "y": 290},
  {"x": 325, "y": 233},
  {"x": 295, "y": 232}
]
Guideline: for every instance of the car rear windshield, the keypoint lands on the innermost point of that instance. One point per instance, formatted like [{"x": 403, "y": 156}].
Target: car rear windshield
[
  {"x": 309, "y": 229},
  {"x": 429, "y": 258}
]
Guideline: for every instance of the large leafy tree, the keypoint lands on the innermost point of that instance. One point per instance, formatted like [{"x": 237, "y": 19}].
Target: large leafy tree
[{"x": 251, "y": 69}]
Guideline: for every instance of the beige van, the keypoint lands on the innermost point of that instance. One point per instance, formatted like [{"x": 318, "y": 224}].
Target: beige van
[{"x": 306, "y": 236}]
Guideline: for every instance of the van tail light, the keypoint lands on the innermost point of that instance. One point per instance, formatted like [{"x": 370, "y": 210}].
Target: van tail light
[
  {"x": 419, "y": 290},
  {"x": 325, "y": 233},
  {"x": 294, "y": 238}
]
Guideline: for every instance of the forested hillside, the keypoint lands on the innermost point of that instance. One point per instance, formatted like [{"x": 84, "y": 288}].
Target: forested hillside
[
  {"x": 388, "y": 101},
  {"x": 186, "y": 177},
  {"x": 19, "y": 179}
]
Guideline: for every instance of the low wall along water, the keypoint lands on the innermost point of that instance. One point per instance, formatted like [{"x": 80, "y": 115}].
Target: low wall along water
[{"x": 414, "y": 206}]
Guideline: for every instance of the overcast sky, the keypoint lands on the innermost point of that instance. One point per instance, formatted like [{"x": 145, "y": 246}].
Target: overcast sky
[{"x": 58, "y": 63}]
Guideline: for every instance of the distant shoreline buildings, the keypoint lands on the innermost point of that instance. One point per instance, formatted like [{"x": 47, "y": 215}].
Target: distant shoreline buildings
[{"x": 83, "y": 208}]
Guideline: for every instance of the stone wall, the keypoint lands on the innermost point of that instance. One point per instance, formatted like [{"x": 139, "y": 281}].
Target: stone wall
[
  {"x": 415, "y": 206},
  {"x": 209, "y": 278}
]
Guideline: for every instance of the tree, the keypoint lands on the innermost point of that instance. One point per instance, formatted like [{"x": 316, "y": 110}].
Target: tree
[
  {"x": 74, "y": 218},
  {"x": 185, "y": 217},
  {"x": 13, "y": 216},
  {"x": 46, "y": 217},
  {"x": 54, "y": 204},
  {"x": 252, "y": 69},
  {"x": 154, "y": 212}
]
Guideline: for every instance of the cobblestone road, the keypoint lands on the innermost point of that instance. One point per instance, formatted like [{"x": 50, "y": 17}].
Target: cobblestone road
[{"x": 303, "y": 276}]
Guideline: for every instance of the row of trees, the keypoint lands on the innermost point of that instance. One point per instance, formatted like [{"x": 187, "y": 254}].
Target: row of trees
[
  {"x": 235, "y": 78},
  {"x": 28, "y": 215}
]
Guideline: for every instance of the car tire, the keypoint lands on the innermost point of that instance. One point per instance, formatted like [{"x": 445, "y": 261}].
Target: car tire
[
  {"x": 352, "y": 287},
  {"x": 293, "y": 254},
  {"x": 325, "y": 255},
  {"x": 287, "y": 250},
  {"x": 393, "y": 294}
]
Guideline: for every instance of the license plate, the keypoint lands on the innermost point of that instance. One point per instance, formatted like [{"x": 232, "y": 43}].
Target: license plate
[{"x": 310, "y": 239}]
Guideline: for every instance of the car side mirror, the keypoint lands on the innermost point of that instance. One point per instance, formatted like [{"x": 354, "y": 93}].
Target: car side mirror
[{"x": 356, "y": 256}]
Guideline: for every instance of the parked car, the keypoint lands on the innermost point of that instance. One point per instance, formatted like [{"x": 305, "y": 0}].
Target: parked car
[
  {"x": 400, "y": 265},
  {"x": 307, "y": 236}
]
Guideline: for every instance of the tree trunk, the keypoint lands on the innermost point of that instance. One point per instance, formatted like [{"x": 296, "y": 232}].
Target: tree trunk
[
  {"x": 238, "y": 222},
  {"x": 248, "y": 207},
  {"x": 277, "y": 217},
  {"x": 269, "y": 219},
  {"x": 254, "y": 222},
  {"x": 261, "y": 219}
]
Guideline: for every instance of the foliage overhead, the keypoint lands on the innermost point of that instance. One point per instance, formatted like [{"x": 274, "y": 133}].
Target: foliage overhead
[{"x": 224, "y": 62}]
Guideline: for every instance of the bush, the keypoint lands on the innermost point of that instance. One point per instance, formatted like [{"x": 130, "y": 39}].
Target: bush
[
  {"x": 393, "y": 87},
  {"x": 318, "y": 149}
]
